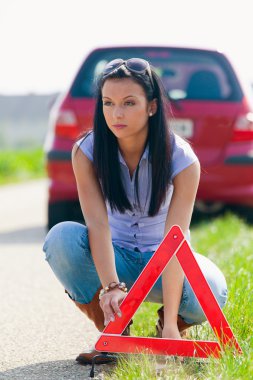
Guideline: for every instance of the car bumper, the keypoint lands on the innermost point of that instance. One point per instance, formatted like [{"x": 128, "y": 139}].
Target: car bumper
[
  {"x": 62, "y": 184},
  {"x": 231, "y": 182}
]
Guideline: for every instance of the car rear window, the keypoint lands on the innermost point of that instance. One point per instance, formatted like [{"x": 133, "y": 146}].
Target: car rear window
[{"x": 187, "y": 74}]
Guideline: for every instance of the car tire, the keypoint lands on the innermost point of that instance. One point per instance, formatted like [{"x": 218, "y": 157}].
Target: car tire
[
  {"x": 63, "y": 211},
  {"x": 244, "y": 212},
  {"x": 209, "y": 208}
]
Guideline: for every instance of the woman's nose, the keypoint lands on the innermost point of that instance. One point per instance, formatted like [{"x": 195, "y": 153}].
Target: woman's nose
[{"x": 118, "y": 112}]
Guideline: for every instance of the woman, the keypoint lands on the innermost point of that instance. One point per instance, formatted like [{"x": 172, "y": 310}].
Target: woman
[{"x": 135, "y": 179}]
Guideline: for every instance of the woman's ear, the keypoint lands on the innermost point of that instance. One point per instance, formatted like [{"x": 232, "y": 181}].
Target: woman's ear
[{"x": 152, "y": 107}]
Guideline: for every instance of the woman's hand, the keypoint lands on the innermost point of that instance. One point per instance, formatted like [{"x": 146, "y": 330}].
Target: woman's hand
[
  {"x": 171, "y": 332},
  {"x": 110, "y": 302}
]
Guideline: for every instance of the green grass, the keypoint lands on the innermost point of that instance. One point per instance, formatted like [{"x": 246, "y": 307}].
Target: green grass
[
  {"x": 16, "y": 166},
  {"x": 228, "y": 241}
]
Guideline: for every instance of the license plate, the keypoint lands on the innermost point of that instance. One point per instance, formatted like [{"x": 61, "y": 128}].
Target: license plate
[{"x": 182, "y": 127}]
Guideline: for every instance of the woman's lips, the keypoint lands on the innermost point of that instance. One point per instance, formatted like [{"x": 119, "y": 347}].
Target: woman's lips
[{"x": 119, "y": 126}]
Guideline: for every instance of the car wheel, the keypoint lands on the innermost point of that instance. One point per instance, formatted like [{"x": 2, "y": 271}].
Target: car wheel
[
  {"x": 63, "y": 211},
  {"x": 208, "y": 208},
  {"x": 244, "y": 212}
]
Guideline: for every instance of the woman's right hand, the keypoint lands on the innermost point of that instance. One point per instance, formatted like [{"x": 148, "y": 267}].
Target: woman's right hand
[{"x": 110, "y": 303}]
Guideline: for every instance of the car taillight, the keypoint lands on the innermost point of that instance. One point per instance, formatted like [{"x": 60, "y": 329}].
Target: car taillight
[
  {"x": 243, "y": 128},
  {"x": 65, "y": 124}
]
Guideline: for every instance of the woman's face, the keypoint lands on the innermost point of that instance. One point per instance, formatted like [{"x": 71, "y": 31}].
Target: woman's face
[{"x": 126, "y": 108}]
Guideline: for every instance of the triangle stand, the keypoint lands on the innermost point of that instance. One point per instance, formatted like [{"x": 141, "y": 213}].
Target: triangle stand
[{"x": 174, "y": 243}]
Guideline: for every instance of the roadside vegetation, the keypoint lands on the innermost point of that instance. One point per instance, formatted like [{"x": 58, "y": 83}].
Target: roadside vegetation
[
  {"x": 21, "y": 165},
  {"x": 228, "y": 241}
]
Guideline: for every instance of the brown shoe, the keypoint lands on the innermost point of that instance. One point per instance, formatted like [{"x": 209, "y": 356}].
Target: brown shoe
[
  {"x": 94, "y": 312},
  {"x": 100, "y": 357},
  {"x": 91, "y": 356},
  {"x": 182, "y": 325}
]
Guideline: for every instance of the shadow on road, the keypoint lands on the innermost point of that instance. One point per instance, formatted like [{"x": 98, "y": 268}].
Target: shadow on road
[
  {"x": 57, "y": 370},
  {"x": 29, "y": 235}
]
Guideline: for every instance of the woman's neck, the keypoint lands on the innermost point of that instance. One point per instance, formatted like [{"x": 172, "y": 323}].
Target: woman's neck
[
  {"x": 132, "y": 151},
  {"x": 132, "y": 147}
]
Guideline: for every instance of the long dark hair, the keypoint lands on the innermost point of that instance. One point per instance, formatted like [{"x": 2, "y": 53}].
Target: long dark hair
[{"x": 105, "y": 151}]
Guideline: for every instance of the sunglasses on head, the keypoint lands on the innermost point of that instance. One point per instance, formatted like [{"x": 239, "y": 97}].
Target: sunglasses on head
[{"x": 134, "y": 65}]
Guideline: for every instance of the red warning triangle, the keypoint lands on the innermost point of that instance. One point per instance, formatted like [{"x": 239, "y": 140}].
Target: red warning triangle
[{"x": 174, "y": 243}]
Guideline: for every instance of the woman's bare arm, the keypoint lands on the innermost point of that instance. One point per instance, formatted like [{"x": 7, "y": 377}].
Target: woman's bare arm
[
  {"x": 95, "y": 215},
  {"x": 180, "y": 213}
]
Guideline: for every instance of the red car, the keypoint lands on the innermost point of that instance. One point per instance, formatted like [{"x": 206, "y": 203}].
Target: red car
[{"x": 211, "y": 108}]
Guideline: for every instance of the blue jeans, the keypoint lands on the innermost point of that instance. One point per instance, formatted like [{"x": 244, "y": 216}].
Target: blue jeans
[{"x": 68, "y": 254}]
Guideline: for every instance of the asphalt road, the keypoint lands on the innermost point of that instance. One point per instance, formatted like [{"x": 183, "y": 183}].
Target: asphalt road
[{"x": 41, "y": 331}]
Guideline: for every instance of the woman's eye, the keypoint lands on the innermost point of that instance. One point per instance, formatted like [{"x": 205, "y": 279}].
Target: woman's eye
[
  {"x": 107, "y": 103},
  {"x": 129, "y": 103}
]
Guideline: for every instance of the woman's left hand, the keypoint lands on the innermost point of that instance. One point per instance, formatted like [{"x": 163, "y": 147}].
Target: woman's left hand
[{"x": 171, "y": 332}]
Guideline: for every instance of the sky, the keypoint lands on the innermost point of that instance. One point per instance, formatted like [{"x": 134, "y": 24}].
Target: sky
[{"x": 43, "y": 42}]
